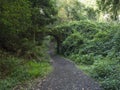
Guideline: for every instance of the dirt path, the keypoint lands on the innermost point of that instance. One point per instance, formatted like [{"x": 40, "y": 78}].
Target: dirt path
[{"x": 67, "y": 77}]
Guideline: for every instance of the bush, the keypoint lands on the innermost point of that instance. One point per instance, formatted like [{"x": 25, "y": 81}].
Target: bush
[
  {"x": 102, "y": 69},
  {"x": 99, "y": 49},
  {"x": 24, "y": 72},
  {"x": 87, "y": 59},
  {"x": 107, "y": 71},
  {"x": 14, "y": 70},
  {"x": 111, "y": 83},
  {"x": 72, "y": 42},
  {"x": 7, "y": 65}
]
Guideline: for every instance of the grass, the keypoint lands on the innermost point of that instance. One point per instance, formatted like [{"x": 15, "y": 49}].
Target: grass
[
  {"x": 36, "y": 69},
  {"x": 85, "y": 68},
  {"x": 21, "y": 71}
]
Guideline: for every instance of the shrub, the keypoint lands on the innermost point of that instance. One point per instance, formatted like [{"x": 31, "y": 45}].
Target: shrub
[
  {"x": 102, "y": 69},
  {"x": 87, "y": 59},
  {"x": 100, "y": 39},
  {"x": 14, "y": 70},
  {"x": 107, "y": 71},
  {"x": 24, "y": 72},
  {"x": 72, "y": 42},
  {"x": 7, "y": 65},
  {"x": 111, "y": 83}
]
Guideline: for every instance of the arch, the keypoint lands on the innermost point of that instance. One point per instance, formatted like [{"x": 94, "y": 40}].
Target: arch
[
  {"x": 58, "y": 40},
  {"x": 40, "y": 36}
]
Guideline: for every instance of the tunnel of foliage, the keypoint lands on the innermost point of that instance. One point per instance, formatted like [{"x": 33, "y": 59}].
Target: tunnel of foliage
[{"x": 93, "y": 45}]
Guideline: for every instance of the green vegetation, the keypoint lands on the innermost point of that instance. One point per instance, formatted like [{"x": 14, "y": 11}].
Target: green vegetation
[
  {"x": 95, "y": 48},
  {"x": 78, "y": 30},
  {"x": 110, "y": 6},
  {"x": 24, "y": 72},
  {"x": 23, "y": 53},
  {"x": 17, "y": 70}
]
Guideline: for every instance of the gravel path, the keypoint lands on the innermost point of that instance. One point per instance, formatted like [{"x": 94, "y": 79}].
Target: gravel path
[{"x": 67, "y": 77}]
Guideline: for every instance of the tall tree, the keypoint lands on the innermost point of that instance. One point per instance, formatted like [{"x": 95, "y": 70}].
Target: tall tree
[
  {"x": 111, "y": 6},
  {"x": 14, "y": 19},
  {"x": 43, "y": 11},
  {"x": 76, "y": 10},
  {"x": 72, "y": 9}
]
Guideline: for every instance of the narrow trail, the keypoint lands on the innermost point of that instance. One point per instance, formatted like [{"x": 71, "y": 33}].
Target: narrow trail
[{"x": 67, "y": 77}]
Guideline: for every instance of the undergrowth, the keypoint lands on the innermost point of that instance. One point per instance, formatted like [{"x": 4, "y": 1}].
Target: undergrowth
[
  {"x": 16, "y": 70},
  {"x": 95, "y": 48}
]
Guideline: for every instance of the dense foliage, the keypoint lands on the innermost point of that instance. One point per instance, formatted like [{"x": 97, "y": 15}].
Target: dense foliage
[
  {"x": 110, "y": 6},
  {"x": 95, "y": 45},
  {"x": 21, "y": 56},
  {"x": 20, "y": 19}
]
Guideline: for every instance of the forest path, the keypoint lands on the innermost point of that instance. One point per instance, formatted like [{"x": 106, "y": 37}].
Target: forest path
[{"x": 67, "y": 77}]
